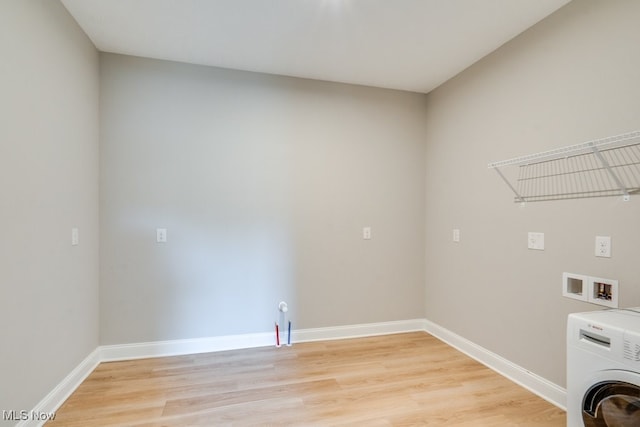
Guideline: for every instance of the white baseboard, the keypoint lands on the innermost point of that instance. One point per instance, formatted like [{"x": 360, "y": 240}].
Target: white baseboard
[
  {"x": 236, "y": 342},
  {"x": 538, "y": 385},
  {"x": 547, "y": 390},
  {"x": 61, "y": 392},
  {"x": 356, "y": 331},
  {"x": 109, "y": 353}
]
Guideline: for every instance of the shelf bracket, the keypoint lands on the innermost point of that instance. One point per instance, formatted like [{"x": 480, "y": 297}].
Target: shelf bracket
[
  {"x": 607, "y": 166},
  {"x": 519, "y": 198}
]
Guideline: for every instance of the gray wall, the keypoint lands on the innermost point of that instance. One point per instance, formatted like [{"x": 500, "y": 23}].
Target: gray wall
[
  {"x": 48, "y": 184},
  {"x": 571, "y": 78},
  {"x": 264, "y": 184}
]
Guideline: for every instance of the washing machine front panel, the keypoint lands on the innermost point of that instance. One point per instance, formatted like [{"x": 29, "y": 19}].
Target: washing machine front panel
[
  {"x": 611, "y": 403},
  {"x": 609, "y": 398},
  {"x": 603, "y": 369}
]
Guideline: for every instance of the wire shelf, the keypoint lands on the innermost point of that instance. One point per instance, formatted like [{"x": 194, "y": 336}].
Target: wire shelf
[{"x": 599, "y": 168}]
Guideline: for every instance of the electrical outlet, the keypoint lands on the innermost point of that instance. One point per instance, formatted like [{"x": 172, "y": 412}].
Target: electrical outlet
[
  {"x": 161, "y": 235},
  {"x": 603, "y": 246},
  {"x": 75, "y": 237},
  {"x": 366, "y": 233},
  {"x": 535, "y": 241}
]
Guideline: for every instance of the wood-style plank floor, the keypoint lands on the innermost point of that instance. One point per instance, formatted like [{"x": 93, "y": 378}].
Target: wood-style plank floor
[{"x": 403, "y": 379}]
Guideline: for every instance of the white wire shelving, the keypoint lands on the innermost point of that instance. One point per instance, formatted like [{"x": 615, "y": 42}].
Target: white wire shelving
[{"x": 598, "y": 168}]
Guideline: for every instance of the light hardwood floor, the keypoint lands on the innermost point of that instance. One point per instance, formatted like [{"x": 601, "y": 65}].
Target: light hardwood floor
[{"x": 403, "y": 379}]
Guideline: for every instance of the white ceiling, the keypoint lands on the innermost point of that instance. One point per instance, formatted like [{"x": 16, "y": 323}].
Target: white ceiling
[{"x": 412, "y": 45}]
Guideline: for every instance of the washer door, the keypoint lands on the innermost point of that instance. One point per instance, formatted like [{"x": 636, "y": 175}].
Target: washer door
[{"x": 612, "y": 403}]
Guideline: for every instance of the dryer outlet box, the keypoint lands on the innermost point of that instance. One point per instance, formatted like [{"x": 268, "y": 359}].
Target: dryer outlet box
[{"x": 575, "y": 286}]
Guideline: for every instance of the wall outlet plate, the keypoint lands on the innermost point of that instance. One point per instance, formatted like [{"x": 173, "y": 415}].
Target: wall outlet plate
[
  {"x": 75, "y": 237},
  {"x": 366, "y": 233},
  {"x": 603, "y": 246},
  {"x": 161, "y": 235}
]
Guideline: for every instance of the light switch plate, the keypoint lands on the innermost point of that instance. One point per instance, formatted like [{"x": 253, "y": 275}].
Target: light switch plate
[
  {"x": 456, "y": 235},
  {"x": 535, "y": 241},
  {"x": 75, "y": 237}
]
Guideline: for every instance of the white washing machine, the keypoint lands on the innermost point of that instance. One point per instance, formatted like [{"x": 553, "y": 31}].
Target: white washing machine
[{"x": 603, "y": 368}]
